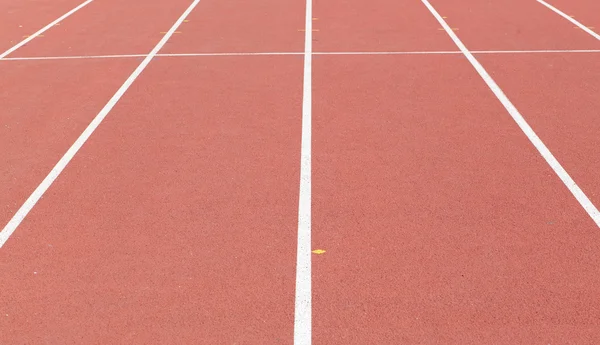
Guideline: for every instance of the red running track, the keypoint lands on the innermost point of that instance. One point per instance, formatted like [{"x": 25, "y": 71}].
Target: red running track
[
  {"x": 45, "y": 106},
  {"x": 176, "y": 222},
  {"x": 108, "y": 27},
  {"x": 173, "y": 224},
  {"x": 163, "y": 227},
  {"x": 511, "y": 25},
  {"x": 559, "y": 95},
  {"x": 377, "y": 25},
  {"x": 25, "y": 17},
  {"x": 586, "y": 12},
  {"x": 441, "y": 222},
  {"x": 218, "y": 26}
]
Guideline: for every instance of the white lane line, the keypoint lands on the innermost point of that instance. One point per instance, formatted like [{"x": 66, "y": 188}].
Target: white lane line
[
  {"x": 572, "y": 20},
  {"x": 44, "y": 29},
  {"x": 16, "y": 220},
  {"x": 232, "y": 54},
  {"x": 518, "y": 118},
  {"x": 75, "y": 57},
  {"x": 303, "y": 298},
  {"x": 453, "y": 52},
  {"x": 431, "y": 52},
  {"x": 441, "y": 52},
  {"x": 535, "y": 51}
]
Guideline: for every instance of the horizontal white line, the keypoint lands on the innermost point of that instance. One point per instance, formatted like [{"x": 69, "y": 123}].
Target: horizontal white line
[
  {"x": 232, "y": 54},
  {"x": 442, "y": 52},
  {"x": 74, "y": 57},
  {"x": 534, "y": 51},
  {"x": 432, "y": 52}
]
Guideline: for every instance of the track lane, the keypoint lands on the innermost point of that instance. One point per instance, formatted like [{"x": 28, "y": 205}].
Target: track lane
[
  {"x": 586, "y": 12},
  {"x": 447, "y": 228},
  {"x": 556, "y": 93},
  {"x": 62, "y": 97},
  {"x": 23, "y": 18},
  {"x": 109, "y": 27},
  {"x": 440, "y": 221},
  {"x": 224, "y": 26},
  {"x": 176, "y": 222},
  {"x": 559, "y": 95},
  {"x": 237, "y": 282},
  {"x": 45, "y": 106},
  {"x": 511, "y": 25},
  {"x": 377, "y": 25}
]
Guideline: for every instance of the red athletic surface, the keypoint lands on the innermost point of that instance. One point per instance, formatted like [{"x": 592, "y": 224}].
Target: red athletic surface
[
  {"x": 173, "y": 224},
  {"x": 225, "y": 26},
  {"x": 511, "y": 24},
  {"x": 45, "y": 106},
  {"x": 586, "y": 12},
  {"x": 440, "y": 221},
  {"x": 376, "y": 25},
  {"x": 108, "y": 27},
  {"x": 177, "y": 221},
  {"x": 560, "y": 97},
  {"x": 25, "y": 17}
]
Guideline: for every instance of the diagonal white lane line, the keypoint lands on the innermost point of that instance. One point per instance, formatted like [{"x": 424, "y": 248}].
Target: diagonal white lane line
[
  {"x": 572, "y": 20},
  {"x": 16, "y": 220},
  {"x": 44, "y": 29},
  {"x": 583, "y": 200}
]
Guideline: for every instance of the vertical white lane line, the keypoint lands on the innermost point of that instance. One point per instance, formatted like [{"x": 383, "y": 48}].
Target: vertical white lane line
[
  {"x": 44, "y": 29},
  {"x": 303, "y": 305},
  {"x": 585, "y": 202},
  {"x": 567, "y": 17},
  {"x": 37, "y": 194}
]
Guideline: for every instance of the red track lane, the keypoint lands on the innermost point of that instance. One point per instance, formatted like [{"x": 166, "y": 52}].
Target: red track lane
[
  {"x": 237, "y": 26},
  {"x": 376, "y": 25},
  {"x": 440, "y": 221},
  {"x": 586, "y": 12},
  {"x": 558, "y": 95},
  {"x": 176, "y": 222},
  {"x": 511, "y": 25},
  {"x": 22, "y": 18},
  {"x": 45, "y": 106},
  {"x": 109, "y": 27}
]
